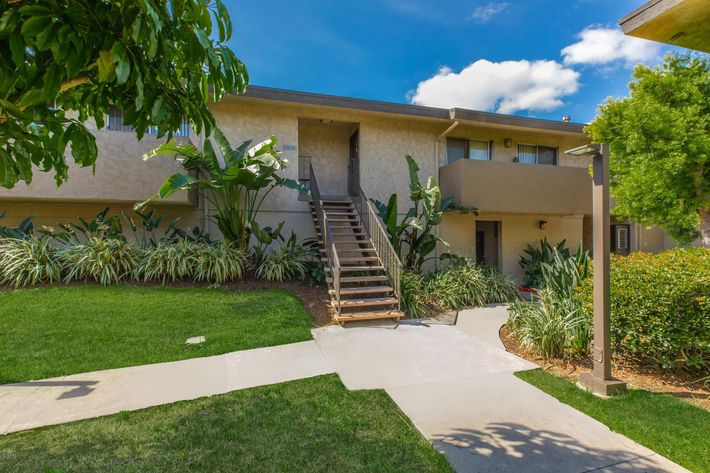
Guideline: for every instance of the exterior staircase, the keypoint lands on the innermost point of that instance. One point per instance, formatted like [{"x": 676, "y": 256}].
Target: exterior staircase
[{"x": 362, "y": 273}]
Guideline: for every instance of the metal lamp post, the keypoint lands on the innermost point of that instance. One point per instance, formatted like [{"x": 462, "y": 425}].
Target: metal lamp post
[{"x": 599, "y": 380}]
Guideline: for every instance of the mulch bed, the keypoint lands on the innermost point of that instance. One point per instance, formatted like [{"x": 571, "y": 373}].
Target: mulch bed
[{"x": 681, "y": 385}]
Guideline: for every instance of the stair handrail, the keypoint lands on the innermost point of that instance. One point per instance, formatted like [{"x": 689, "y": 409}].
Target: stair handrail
[
  {"x": 327, "y": 234},
  {"x": 380, "y": 240}
]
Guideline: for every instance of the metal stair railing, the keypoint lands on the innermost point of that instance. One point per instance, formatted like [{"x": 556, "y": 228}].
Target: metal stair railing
[
  {"x": 327, "y": 235},
  {"x": 380, "y": 240}
]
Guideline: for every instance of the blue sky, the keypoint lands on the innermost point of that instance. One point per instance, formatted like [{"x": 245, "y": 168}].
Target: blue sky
[{"x": 394, "y": 50}]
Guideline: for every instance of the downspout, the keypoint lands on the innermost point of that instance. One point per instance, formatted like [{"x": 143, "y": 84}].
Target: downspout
[
  {"x": 438, "y": 166},
  {"x": 205, "y": 202}
]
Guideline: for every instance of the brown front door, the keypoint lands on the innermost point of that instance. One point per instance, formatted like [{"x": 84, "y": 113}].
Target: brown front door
[{"x": 354, "y": 164}]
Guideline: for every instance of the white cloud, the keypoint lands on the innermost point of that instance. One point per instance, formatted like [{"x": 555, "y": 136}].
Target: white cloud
[
  {"x": 485, "y": 13},
  {"x": 504, "y": 87},
  {"x": 599, "y": 45}
]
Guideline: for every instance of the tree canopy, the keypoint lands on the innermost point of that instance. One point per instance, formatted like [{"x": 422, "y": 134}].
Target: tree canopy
[
  {"x": 64, "y": 62},
  {"x": 659, "y": 138}
]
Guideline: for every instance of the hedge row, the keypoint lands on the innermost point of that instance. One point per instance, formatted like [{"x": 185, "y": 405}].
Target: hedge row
[{"x": 660, "y": 307}]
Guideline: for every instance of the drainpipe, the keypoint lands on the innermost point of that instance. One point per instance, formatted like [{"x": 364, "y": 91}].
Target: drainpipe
[
  {"x": 205, "y": 202},
  {"x": 437, "y": 164}
]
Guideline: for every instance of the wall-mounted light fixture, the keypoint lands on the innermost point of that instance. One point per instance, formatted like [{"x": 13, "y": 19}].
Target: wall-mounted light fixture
[
  {"x": 542, "y": 224},
  {"x": 508, "y": 142}
]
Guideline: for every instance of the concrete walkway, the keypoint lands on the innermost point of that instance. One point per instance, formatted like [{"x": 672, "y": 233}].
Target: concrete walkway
[
  {"x": 457, "y": 386},
  {"x": 455, "y": 383},
  {"x": 83, "y": 396}
]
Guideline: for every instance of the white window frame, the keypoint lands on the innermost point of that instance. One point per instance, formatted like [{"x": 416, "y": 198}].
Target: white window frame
[
  {"x": 537, "y": 153},
  {"x": 467, "y": 151},
  {"x": 184, "y": 129}
]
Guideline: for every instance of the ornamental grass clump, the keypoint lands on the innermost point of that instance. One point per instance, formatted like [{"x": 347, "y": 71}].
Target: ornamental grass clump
[
  {"x": 28, "y": 262},
  {"x": 551, "y": 325},
  {"x": 414, "y": 299},
  {"x": 462, "y": 284},
  {"x": 169, "y": 261},
  {"x": 218, "y": 263},
  {"x": 279, "y": 265},
  {"x": 105, "y": 260},
  {"x": 499, "y": 287}
]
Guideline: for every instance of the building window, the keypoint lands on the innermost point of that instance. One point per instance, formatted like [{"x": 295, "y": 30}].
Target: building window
[
  {"x": 458, "y": 148},
  {"x": 534, "y": 154},
  {"x": 621, "y": 238},
  {"x": 115, "y": 123}
]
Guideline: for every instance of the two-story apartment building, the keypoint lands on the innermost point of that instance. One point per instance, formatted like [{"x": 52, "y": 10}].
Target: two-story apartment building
[{"x": 513, "y": 169}]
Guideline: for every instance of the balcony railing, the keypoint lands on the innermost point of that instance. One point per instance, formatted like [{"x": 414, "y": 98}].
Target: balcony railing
[
  {"x": 328, "y": 240},
  {"x": 380, "y": 240}
]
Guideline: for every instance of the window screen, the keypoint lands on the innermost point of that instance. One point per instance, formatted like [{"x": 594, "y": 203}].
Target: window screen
[
  {"x": 455, "y": 150},
  {"x": 533, "y": 154},
  {"x": 546, "y": 155},
  {"x": 115, "y": 123},
  {"x": 479, "y": 150},
  {"x": 527, "y": 154}
]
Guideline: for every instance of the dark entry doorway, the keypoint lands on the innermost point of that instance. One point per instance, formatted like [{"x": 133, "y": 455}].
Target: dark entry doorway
[
  {"x": 354, "y": 163},
  {"x": 488, "y": 243}
]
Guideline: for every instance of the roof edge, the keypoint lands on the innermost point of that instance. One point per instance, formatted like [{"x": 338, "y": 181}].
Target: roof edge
[{"x": 310, "y": 98}]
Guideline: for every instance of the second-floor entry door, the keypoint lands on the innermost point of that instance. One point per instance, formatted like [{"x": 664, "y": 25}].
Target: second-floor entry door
[{"x": 354, "y": 163}]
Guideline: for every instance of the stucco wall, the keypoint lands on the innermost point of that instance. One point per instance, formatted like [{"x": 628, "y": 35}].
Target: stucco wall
[
  {"x": 50, "y": 214},
  {"x": 121, "y": 175},
  {"x": 328, "y": 146},
  {"x": 516, "y": 232},
  {"x": 500, "y": 153}
]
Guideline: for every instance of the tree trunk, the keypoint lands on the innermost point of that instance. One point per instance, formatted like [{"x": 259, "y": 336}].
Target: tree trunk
[{"x": 705, "y": 227}]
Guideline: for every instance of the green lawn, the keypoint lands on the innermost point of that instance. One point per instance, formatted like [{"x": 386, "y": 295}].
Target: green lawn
[
  {"x": 63, "y": 330},
  {"x": 311, "y": 425},
  {"x": 677, "y": 430}
]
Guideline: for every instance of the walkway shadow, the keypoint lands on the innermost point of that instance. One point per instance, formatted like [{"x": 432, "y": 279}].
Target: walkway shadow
[
  {"x": 81, "y": 388},
  {"x": 518, "y": 448}
]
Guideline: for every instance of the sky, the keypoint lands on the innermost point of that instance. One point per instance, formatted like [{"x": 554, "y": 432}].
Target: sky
[{"x": 533, "y": 58}]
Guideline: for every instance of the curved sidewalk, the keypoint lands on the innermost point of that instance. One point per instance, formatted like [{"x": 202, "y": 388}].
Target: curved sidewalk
[{"x": 457, "y": 386}]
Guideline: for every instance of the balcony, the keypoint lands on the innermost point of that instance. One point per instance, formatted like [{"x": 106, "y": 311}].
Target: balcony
[{"x": 502, "y": 187}]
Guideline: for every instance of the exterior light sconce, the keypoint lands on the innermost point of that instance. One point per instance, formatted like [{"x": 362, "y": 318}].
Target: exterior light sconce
[
  {"x": 508, "y": 142},
  {"x": 542, "y": 224}
]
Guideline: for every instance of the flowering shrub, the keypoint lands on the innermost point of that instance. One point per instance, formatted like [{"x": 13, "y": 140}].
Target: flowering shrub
[{"x": 660, "y": 307}]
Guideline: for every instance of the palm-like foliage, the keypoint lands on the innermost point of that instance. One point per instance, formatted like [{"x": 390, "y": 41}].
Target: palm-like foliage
[
  {"x": 22, "y": 231},
  {"x": 236, "y": 182},
  {"x": 413, "y": 238},
  {"x": 532, "y": 259}
]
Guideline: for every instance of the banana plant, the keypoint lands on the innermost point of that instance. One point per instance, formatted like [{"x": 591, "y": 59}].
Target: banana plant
[
  {"x": 236, "y": 182},
  {"x": 413, "y": 237}
]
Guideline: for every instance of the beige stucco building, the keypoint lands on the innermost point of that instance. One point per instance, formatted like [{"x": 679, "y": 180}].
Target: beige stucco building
[{"x": 513, "y": 169}]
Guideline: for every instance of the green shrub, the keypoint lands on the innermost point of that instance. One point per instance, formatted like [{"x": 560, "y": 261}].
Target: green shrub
[
  {"x": 660, "y": 307},
  {"x": 168, "y": 262},
  {"x": 499, "y": 287},
  {"x": 28, "y": 262},
  {"x": 460, "y": 285},
  {"x": 551, "y": 325},
  {"x": 533, "y": 259},
  {"x": 105, "y": 260},
  {"x": 279, "y": 265},
  {"x": 218, "y": 263},
  {"x": 414, "y": 298}
]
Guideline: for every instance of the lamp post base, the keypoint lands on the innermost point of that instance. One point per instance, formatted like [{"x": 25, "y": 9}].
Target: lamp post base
[{"x": 600, "y": 386}]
